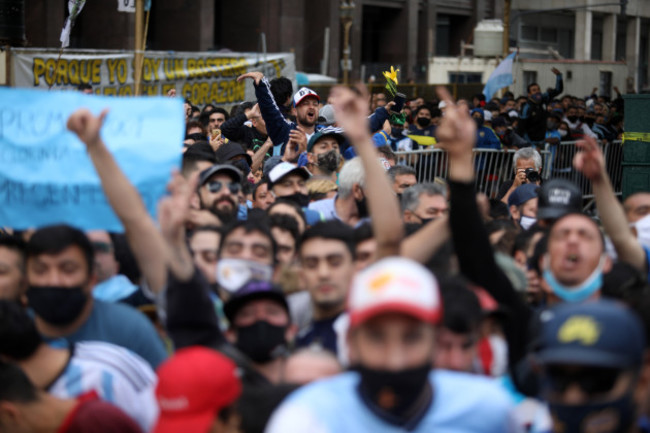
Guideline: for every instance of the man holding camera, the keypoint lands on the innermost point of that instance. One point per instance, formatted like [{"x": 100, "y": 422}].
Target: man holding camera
[{"x": 527, "y": 164}]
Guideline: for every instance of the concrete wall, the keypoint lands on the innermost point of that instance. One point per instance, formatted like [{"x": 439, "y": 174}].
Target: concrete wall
[{"x": 584, "y": 75}]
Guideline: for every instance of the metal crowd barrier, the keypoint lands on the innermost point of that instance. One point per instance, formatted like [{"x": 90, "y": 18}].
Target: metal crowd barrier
[{"x": 494, "y": 167}]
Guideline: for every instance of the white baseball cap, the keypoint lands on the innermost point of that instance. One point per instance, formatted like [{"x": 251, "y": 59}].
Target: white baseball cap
[
  {"x": 303, "y": 93},
  {"x": 283, "y": 169},
  {"x": 394, "y": 285}
]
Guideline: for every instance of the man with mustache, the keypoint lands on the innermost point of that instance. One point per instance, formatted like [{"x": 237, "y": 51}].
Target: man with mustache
[{"x": 219, "y": 187}]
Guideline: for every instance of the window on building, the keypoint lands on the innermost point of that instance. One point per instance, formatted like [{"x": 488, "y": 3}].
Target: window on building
[
  {"x": 443, "y": 28},
  {"x": 529, "y": 33},
  {"x": 548, "y": 34},
  {"x": 465, "y": 77},
  {"x": 530, "y": 77},
  {"x": 605, "y": 85},
  {"x": 597, "y": 46},
  {"x": 565, "y": 43}
]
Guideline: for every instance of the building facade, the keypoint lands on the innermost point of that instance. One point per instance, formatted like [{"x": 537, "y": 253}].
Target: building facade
[{"x": 402, "y": 33}]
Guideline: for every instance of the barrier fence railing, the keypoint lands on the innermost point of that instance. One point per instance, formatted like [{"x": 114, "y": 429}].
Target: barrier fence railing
[{"x": 495, "y": 167}]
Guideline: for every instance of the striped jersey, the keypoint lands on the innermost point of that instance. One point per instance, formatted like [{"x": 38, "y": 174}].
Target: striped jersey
[{"x": 118, "y": 375}]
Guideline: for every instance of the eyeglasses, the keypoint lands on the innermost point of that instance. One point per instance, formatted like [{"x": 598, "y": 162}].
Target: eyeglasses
[
  {"x": 590, "y": 380},
  {"x": 102, "y": 247},
  {"x": 215, "y": 186}
]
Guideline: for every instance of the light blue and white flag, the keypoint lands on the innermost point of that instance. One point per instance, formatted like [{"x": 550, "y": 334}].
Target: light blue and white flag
[{"x": 500, "y": 78}]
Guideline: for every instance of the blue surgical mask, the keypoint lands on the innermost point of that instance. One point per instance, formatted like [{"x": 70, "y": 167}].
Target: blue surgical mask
[{"x": 581, "y": 292}]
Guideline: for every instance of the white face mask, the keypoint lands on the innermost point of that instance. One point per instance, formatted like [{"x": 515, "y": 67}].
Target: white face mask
[
  {"x": 642, "y": 227},
  {"x": 232, "y": 274},
  {"x": 563, "y": 132},
  {"x": 527, "y": 222}
]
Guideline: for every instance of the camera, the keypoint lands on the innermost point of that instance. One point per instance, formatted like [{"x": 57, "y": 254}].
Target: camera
[{"x": 532, "y": 175}]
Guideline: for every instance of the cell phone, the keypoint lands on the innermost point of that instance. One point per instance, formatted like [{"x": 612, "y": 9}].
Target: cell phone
[
  {"x": 399, "y": 100},
  {"x": 216, "y": 133}
]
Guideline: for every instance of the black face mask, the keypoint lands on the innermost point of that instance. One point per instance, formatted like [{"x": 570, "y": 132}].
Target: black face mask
[
  {"x": 536, "y": 98},
  {"x": 329, "y": 161},
  {"x": 261, "y": 341},
  {"x": 619, "y": 415},
  {"x": 362, "y": 207},
  {"x": 57, "y": 305},
  {"x": 581, "y": 118},
  {"x": 396, "y": 132},
  {"x": 394, "y": 391},
  {"x": 423, "y": 121},
  {"x": 426, "y": 221},
  {"x": 479, "y": 121},
  {"x": 572, "y": 119},
  {"x": 300, "y": 199}
]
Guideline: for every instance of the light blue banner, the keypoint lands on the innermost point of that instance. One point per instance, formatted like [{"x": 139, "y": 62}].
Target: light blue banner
[{"x": 46, "y": 176}]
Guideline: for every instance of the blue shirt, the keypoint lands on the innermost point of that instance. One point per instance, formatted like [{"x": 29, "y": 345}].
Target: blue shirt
[
  {"x": 123, "y": 326},
  {"x": 462, "y": 403}
]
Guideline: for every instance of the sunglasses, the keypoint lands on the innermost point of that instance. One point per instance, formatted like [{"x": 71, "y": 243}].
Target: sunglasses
[
  {"x": 102, "y": 247},
  {"x": 590, "y": 380},
  {"x": 215, "y": 186}
]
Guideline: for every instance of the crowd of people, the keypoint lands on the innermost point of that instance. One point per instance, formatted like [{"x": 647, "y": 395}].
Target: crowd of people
[{"x": 300, "y": 277}]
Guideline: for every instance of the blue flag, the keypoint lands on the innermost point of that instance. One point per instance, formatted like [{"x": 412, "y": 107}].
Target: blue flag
[
  {"x": 46, "y": 176},
  {"x": 500, "y": 78}
]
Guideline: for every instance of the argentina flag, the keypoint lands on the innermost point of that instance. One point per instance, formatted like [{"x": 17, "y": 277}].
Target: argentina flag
[{"x": 501, "y": 77}]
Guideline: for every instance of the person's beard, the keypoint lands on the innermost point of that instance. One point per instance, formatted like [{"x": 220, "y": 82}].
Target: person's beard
[
  {"x": 224, "y": 214},
  {"x": 304, "y": 120}
]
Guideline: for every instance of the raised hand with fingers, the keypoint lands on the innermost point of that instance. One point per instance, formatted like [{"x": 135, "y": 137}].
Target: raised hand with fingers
[
  {"x": 457, "y": 130},
  {"x": 590, "y": 161},
  {"x": 256, "y": 76},
  {"x": 351, "y": 110},
  {"x": 174, "y": 209},
  {"x": 87, "y": 126}
]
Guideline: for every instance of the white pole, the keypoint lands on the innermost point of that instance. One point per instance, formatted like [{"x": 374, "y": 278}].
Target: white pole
[{"x": 325, "y": 63}]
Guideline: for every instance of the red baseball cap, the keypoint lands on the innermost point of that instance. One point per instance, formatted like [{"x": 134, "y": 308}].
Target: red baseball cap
[{"x": 193, "y": 386}]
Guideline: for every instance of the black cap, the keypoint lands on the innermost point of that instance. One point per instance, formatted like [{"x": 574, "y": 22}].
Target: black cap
[
  {"x": 253, "y": 290},
  {"x": 220, "y": 168},
  {"x": 558, "y": 197},
  {"x": 227, "y": 151}
]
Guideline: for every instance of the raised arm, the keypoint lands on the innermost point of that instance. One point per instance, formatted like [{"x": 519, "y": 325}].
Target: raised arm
[
  {"x": 350, "y": 110},
  {"x": 559, "y": 85},
  {"x": 591, "y": 163},
  {"x": 191, "y": 318},
  {"x": 423, "y": 244},
  {"x": 457, "y": 134},
  {"x": 144, "y": 238},
  {"x": 276, "y": 126}
]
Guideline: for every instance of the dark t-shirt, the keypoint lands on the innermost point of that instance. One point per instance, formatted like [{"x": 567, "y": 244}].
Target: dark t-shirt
[
  {"x": 320, "y": 332},
  {"x": 93, "y": 415},
  {"x": 503, "y": 190}
]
